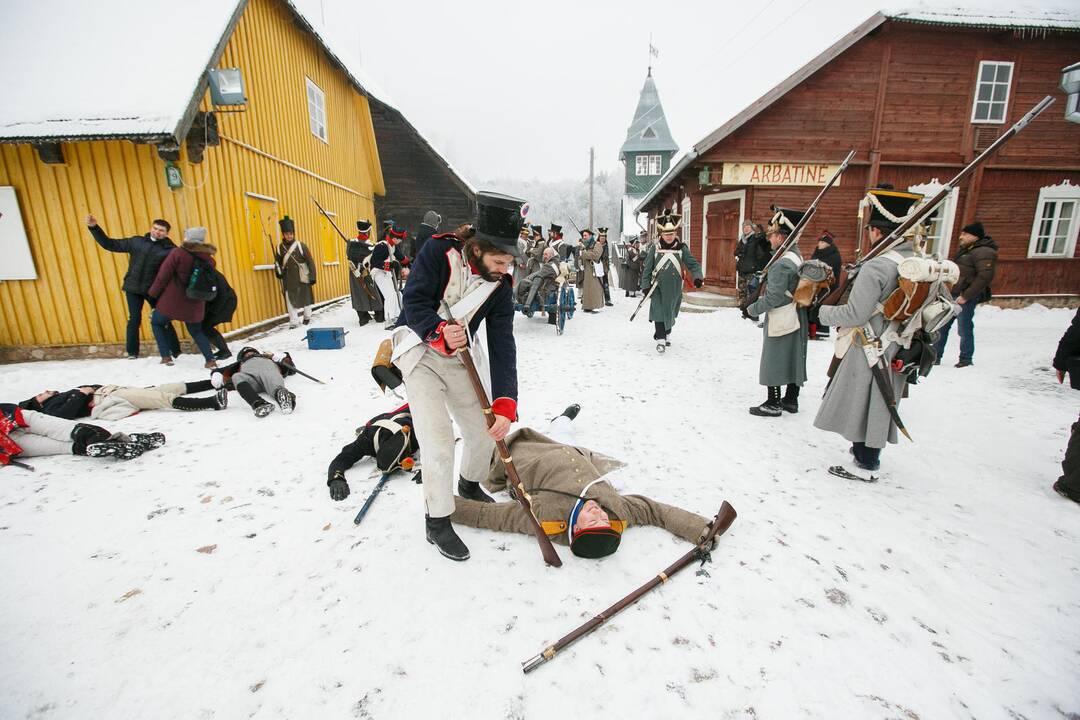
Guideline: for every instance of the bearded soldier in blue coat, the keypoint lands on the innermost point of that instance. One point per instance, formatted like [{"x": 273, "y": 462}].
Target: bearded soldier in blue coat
[
  {"x": 783, "y": 351},
  {"x": 663, "y": 267}
]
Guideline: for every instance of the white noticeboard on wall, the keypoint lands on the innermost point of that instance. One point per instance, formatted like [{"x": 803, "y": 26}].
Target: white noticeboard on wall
[{"x": 16, "y": 262}]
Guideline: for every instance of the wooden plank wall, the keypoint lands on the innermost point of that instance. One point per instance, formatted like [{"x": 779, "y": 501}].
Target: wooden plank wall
[
  {"x": 77, "y": 298},
  {"x": 924, "y": 132}
]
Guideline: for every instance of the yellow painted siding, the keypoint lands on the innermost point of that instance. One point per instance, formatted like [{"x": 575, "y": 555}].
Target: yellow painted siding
[{"x": 268, "y": 150}]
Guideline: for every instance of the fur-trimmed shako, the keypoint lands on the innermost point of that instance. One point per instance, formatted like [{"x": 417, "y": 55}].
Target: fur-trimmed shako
[{"x": 784, "y": 220}]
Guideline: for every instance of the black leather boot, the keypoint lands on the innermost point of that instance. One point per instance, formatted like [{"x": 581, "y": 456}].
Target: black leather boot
[
  {"x": 85, "y": 434},
  {"x": 260, "y": 406},
  {"x": 771, "y": 407},
  {"x": 197, "y": 387},
  {"x": 790, "y": 403},
  {"x": 440, "y": 533},
  {"x": 472, "y": 491},
  {"x": 196, "y": 403}
]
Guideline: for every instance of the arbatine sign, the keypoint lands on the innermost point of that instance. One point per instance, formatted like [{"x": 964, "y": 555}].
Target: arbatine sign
[{"x": 751, "y": 173}]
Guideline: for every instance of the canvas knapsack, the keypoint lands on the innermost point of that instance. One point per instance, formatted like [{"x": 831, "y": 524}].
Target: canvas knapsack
[{"x": 202, "y": 285}]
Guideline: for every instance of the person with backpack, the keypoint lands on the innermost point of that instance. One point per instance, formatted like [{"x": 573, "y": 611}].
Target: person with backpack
[
  {"x": 218, "y": 311},
  {"x": 827, "y": 253},
  {"x": 183, "y": 284},
  {"x": 295, "y": 268},
  {"x": 977, "y": 260}
]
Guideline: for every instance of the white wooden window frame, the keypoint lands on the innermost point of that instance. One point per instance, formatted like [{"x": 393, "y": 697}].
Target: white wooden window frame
[
  {"x": 316, "y": 102},
  {"x": 685, "y": 208},
  {"x": 739, "y": 195},
  {"x": 654, "y": 165},
  {"x": 1063, "y": 192},
  {"x": 979, "y": 82},
  {"x": 947, "y": 210}
]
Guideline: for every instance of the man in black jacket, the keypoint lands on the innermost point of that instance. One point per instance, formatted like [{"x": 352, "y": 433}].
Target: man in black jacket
[
  {"x": 752, "y": 251},
  {"x": 977, "y": 259},
  {"x": 146, "y": 252},
  {"x": 1067, "y": 361},
  {"x": 827, "y": 253}
]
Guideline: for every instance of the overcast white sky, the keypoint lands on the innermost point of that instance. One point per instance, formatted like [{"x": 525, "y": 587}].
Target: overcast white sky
[{"x": 505, "y": 89}]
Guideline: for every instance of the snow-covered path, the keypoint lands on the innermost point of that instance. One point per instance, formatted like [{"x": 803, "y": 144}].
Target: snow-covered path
[{"x": 949, "y": 589}]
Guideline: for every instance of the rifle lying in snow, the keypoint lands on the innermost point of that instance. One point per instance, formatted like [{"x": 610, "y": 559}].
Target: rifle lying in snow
[
  {"x": 718, "y": 527},
  {"x": 793, "y": 238},
  {"x": 378, "y": 488},
  {"x": 292, "y": 367},
  {"x": 546, "y": 548},
  {"x": 897, "y": 236}
]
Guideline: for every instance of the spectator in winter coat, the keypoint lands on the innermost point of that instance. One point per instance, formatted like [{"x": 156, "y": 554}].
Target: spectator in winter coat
[
  {"x": 219, "y": 310},
  {"x": 1067, "y": 360},
  {"x": 255, "y": 372},
  {"x": 827, "y": 253},
  {"x": 428, "y": 226},
  {"x": 977, "y": 259},
  {"x": 170, "y": 291},
  {"x": 752, "y": 252},
  {"x": 29, "y": 433},
  {"x": 145, "y": 255}
]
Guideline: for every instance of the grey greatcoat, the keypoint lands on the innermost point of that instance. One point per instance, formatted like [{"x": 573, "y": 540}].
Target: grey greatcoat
[
  {"x": 300, "y": 294},
  {"x": 554, "y": 475},
  {"x": 783, "y": 358},
  {"x": 853, "y": 406}
]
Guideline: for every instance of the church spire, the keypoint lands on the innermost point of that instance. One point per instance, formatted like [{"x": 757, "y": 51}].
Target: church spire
[{"x": 648, "y": 132}]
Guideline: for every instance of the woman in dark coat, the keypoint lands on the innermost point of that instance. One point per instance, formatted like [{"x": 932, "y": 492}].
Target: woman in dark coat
[{"x": 170, "y": 292}]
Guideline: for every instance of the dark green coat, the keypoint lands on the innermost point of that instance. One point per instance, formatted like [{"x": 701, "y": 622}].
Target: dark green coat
[{"x": 667, "y": 298}]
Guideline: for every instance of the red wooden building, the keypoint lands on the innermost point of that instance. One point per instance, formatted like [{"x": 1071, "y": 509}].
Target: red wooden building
[{"x": 917, "y": 95}]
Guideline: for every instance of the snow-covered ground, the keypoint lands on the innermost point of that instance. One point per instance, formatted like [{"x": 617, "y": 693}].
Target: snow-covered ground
[{"x": 951, "y": 588}]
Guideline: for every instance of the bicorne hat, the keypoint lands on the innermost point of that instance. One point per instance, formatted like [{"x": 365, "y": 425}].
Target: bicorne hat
[
  {"x": 784, "y": 220},
  {"x": 889, "y": 208},
  {"x": 601, "y": 231},
  {"x": 498, "y": 220},
  {"x": 668, "y": 221}
]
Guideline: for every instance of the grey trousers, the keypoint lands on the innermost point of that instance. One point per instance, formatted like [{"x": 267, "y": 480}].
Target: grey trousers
[
  {"x": 261, "y": 373},
  {"x": 439, "y": 389},
  {"x": 44, "y": 435}
]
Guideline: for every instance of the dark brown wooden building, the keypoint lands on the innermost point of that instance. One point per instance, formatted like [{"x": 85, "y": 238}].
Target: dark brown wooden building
[
  {"x": 417, "y": 177},
  {"x": 917, "y": 95}
]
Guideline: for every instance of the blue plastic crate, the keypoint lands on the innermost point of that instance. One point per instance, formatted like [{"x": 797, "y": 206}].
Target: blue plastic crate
[{"x": 330, "y": 338}]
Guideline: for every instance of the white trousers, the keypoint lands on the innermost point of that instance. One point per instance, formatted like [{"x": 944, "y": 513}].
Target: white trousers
[
  {"x": 439, "y": 390},
  {"x": 44, "y": 435},
  {"x": 384, "y": 280},
  {"x": 294, "y": 313}
]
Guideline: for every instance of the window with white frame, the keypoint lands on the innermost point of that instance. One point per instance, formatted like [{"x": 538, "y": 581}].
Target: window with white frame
[
  {"x": 647, "y": 165},
  {"x": 686, "y": 221},
  {"x": 992, "y": 92},
  {"x": 939, "y": 225},
  {"x": 1053, "y": 232},
  {"x": 316, "y": 105}
]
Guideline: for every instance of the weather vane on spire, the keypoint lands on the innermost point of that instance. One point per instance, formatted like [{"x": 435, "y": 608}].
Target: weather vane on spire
[{"x": 653, "y": 52}]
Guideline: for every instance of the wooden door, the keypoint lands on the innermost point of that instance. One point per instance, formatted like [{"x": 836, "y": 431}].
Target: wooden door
[{"x": 722, "y": 232}]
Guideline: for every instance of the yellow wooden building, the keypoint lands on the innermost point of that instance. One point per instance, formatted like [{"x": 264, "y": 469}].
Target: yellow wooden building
[{"x": 305, "y": 133}]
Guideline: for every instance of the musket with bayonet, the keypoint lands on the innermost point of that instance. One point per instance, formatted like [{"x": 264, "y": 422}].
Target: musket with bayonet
[
  {"x": 793, "y": 237},
  {"x": 897, "y": 236}
]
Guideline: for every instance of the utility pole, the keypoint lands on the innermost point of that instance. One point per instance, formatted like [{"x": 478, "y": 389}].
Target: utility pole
[{"x": 592, "y": 157}]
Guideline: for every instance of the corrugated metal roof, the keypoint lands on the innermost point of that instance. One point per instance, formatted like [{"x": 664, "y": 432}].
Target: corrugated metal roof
[{"x": 1011, "y": 18}]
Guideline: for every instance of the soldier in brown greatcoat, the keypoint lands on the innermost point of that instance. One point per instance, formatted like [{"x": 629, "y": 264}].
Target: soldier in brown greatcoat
[{"x": 575, "y": 505}]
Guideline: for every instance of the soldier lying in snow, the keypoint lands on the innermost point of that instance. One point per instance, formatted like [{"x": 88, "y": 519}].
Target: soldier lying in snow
[
  {"x": 572, "y": 501},
  {"x": 254, "y": 373},
  {"x": 114, "y": 402},
  {"x": 388, "y": 438},
  {"x": 30, "y": 433}
]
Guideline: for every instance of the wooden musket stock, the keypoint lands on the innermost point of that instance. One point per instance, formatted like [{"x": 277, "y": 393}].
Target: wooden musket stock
[
  {"x": 546, "y": 548},
  {"x": 719, "y": 526}
]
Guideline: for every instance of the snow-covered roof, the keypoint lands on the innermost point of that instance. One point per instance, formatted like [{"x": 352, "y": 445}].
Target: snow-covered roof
[
  {"x": 117, "y": 69},
  {"x": 108, "y": 68},
  {"x": 649, "y": 129},
  {"x": 1045, "y": 17},
  {"x": 1007, "y": 18}
]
